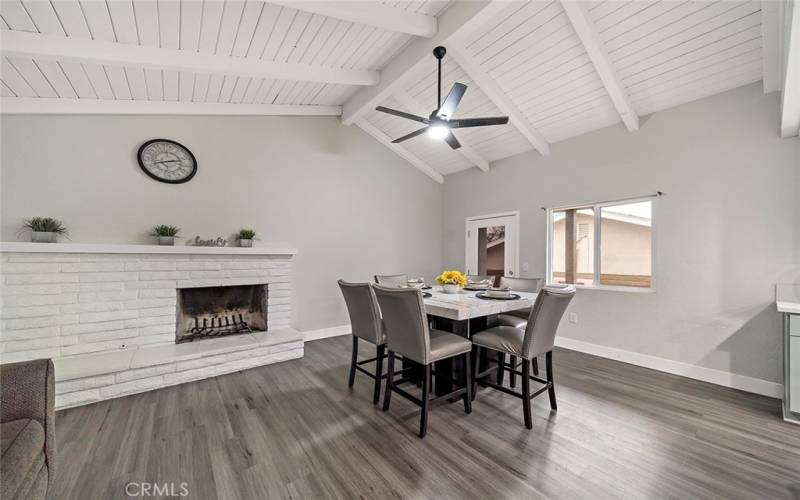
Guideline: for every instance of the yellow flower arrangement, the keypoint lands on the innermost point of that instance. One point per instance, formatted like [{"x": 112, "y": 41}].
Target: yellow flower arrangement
[{"x": 452, "y": 278}]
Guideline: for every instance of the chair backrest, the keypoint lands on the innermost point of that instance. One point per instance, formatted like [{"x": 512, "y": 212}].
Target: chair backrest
[
  {"x": 405, "y": 322},
  {"x": 532, "y": 285},
  {"x": 365, "y": 316},
  {"x": 546, "y": 313},
  {"x": 476, "y": 278},
  {"x": 391, "y": 279}
]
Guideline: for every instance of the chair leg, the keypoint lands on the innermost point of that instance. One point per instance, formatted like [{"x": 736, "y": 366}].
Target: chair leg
[
  {"x": 501, "y": 367},
  {"x": 526, "y": 392},
  {"x": 475, "y": 371},
  {"x": 387, "y": 393},
  {"x": 353, "y": 362},
  {"x": 513, "y": 375},
  {"x": 552, "y": 390},
  {"x": 376, "y": 392},
  {"x": 423, "y": 418},
  {"x": 468, "y": 383},
  {"x": 535, "y": 366}
]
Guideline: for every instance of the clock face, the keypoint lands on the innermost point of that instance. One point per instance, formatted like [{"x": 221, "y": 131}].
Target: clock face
[{"x": 167, "y": 161}]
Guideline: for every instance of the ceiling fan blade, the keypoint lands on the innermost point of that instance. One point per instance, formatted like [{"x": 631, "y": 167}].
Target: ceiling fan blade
[
  {"x": 451, "y": 140},
  {"x": 450, "y": 103},
  {"x": 411, "y": 135},
  {"x": 479, "y": 122},
  {"x": 402, "y": 114}
]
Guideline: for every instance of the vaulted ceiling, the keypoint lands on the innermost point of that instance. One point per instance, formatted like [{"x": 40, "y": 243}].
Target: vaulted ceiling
[{"x": 557, "y": 68}]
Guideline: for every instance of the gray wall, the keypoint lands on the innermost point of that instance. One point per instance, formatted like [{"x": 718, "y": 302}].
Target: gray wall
[
  {"x": 350, "y": 206},
  {"x": 726, "y": 231}
]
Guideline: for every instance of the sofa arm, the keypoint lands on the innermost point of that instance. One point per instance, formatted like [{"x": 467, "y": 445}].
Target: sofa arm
[{"x": 27, "y": 390}]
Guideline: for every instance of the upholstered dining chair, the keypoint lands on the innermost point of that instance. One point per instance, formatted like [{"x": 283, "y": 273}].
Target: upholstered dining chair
[
  {"x": 538, "y": 338},
  {"x": 366, "y": 324},
  {"x": 517, "y": 319},
  {"x": 391, "y": 279},
  {"x": 408, "y": 334}
]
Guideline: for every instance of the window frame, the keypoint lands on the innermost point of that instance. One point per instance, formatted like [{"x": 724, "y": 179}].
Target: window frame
[{"x": 597, "y": 208}]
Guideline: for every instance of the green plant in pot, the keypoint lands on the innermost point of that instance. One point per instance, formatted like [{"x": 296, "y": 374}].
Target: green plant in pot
[
  {"x": 166, "y": 234},
  {"x": 44, "y": 229},
  {"x": 246, "y": 237}
]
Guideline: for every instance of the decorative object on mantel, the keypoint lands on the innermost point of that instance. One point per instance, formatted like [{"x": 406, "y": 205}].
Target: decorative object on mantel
[
  {"x": 451, "y": 281},
  {"x": 44, "y": 229},
  {"x": 167, "y": 161},
  {"x": 166, "y": 234},
  {"x": 246, "y": 237},
  {"x": 218, "y": 242}
]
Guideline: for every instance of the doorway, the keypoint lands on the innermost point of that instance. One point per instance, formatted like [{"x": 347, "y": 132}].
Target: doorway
[{"x": 493, "y": 245}]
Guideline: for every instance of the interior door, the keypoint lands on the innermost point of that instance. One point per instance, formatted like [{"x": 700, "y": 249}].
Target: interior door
[{"x": 492, "y": 245}]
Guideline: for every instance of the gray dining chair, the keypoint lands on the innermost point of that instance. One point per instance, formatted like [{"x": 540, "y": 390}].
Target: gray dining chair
[
  {"x": 366, "y": 324},
  {"x": 391, "y": 279},
  {"x": 518, "y": 318},
  {"x": 538, "y": 338},
  {"x": 408, "y": 334}
]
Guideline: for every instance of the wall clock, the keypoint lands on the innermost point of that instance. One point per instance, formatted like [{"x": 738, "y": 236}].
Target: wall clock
[{"x": 167, "y": 161}]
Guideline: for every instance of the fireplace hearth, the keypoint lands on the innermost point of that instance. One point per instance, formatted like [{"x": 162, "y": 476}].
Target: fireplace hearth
[{"x": 208, "y": 312}]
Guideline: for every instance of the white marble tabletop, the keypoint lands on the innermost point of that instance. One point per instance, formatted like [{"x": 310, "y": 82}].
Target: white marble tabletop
[
  {"x": 787, "y": 298},
  {"x": 465, "y": 305}
]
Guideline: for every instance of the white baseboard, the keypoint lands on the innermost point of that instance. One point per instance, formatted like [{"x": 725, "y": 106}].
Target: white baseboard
[
  {"x": 719, "y": 377},
  {"x": 324, "y": 333}
]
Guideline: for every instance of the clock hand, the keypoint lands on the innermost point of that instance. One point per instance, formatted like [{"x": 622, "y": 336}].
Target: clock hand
[{"x": 166, "y": 161}]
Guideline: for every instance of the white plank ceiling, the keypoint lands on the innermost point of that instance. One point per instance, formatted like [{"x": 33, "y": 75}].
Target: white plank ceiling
[
  {"x": 562, "y": 77},
  {"x": 665, "y": 53},
  {"x": 238, "y": 28}
]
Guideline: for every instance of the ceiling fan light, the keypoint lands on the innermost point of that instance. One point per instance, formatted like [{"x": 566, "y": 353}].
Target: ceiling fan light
[{"x": 438, "y": 131}]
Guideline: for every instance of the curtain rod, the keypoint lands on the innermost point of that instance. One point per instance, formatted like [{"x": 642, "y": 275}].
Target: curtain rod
[{"x": 657, "y": 194}]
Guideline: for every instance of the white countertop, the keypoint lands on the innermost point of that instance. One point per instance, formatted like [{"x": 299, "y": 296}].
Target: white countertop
[
  {"x": 465, "y": 305},
  {"x": 787, "y": 298},
  {"x": 28, "y": 247}
]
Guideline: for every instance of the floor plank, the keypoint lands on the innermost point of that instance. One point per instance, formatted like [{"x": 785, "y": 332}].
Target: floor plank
[{"x": 294, "y": 430}]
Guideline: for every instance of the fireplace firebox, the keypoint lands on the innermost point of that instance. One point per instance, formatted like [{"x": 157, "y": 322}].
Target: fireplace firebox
[{"x": 208, "y": 312}]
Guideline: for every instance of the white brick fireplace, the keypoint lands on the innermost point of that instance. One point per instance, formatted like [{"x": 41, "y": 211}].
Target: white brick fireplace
[{"x": 106, "y": 314}]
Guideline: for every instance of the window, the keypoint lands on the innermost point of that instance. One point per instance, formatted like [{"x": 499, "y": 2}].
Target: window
[{"x": 602, "y": 245}]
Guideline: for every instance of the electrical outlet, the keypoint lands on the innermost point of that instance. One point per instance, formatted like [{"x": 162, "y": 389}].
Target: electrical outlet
[
  {"x": 525, "y": 266},
  {"x": 573, "y": 318}
]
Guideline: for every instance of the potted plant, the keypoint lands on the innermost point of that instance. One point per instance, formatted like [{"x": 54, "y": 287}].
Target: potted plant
[
  {"x": 451, "y": 281},
  {"x": 166, "y": 234},
  {"x": 246, "y": 237},
  {"x": 44, "y": 229}
]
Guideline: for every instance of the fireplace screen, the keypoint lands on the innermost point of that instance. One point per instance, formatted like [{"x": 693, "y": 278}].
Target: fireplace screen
[{"x": 220, "y": 310}]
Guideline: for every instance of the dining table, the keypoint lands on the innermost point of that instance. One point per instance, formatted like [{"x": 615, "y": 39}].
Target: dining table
[{"x": 465, "y": 313}]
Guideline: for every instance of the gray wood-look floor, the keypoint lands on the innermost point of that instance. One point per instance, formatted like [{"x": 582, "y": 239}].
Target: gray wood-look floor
[{"x": 294, "y": 430}]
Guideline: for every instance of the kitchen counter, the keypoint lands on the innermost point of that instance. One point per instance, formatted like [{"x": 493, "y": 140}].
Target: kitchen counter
[{"x": 787, "y": 298}]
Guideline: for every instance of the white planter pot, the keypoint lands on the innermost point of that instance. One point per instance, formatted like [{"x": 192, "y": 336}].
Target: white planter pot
[
  {"x": 451, "y": 288},
  {"x": 245, "y": 243},
  {"x": 166, "y": 241},
  {"x": 43, "y": 237}
]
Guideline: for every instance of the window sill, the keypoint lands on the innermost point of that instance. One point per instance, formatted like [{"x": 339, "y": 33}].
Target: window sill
[{"x": 611, "y": 288}]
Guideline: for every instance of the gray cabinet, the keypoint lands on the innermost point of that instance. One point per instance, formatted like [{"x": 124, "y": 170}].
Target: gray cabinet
[
  {"x": 793, "y": 370},
  {"x": 794, "y": 374},
  {"x": 787, "y": 300}
]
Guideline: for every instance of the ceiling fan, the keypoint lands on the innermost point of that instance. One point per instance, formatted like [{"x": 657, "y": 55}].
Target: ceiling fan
[{"x": 440, "y": 124}]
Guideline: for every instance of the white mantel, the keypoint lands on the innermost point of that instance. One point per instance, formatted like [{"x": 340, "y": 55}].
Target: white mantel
[
  {"x": 112, "y": 248},
  {"x": 105, "y": 313}
]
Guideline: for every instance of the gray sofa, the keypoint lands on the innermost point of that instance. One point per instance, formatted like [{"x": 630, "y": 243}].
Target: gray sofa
[{"x": 27, "y": 429}]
